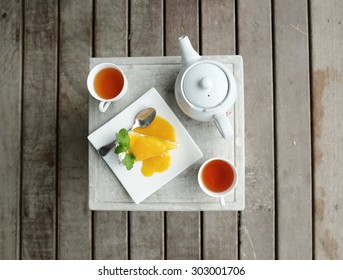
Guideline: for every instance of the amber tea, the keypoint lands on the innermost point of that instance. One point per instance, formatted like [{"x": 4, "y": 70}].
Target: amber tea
[
  {"x": 217, "y": 175},
  {"x": 108, "y": 83}
]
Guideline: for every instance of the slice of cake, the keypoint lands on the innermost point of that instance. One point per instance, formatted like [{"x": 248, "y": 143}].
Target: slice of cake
[{"x": 145, "y": 147}]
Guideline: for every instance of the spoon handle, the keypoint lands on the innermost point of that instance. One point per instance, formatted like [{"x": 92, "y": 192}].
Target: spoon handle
[{"x": 104, "y": 150}]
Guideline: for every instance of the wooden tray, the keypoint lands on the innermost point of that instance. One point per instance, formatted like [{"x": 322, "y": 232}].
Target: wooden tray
[{"x": 182, "y": 193}]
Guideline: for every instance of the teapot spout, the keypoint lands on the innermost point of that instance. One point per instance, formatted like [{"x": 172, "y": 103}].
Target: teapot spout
[{"x": 188, "y": 54}]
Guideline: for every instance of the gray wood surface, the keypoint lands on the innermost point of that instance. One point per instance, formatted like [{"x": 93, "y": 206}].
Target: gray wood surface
[
  {"x": 183, "y": 235},
  {"x": 147, "y": 234},
  {"x": 146, "y": 29},
  {"x": 218, "y": 27},
  {"x": 74, "y": 219},
  {"x": 183, "y": 229},
  {"x": 257, "y": 234},
  {"x": 10, "y": 127},
  {"x": 110, "y": 240},
  {"x": 293, "y": 130},
  {"x": 220, "y": 229},
  {"x": 181, "y": 20},
  {"x": 110, "y": 28},
  {"x": 43, "y": 195},
  {"x": 327, "y": 100},
  {"x": 38, "y": 233}
]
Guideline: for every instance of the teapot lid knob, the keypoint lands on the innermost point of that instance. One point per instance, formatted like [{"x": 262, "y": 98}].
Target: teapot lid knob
[{"x": 205, "y": 83}]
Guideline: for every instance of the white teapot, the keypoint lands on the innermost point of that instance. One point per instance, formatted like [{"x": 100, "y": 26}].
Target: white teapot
[{"x": 205, "y": 89}]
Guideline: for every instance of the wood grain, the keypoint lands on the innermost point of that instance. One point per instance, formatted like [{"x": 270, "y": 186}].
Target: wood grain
[
  {"x": 183, "y": 228},
  {"x": 146, "y": 39},
  {"x": 293, "y": 130},
  {"x": 110, "y": 239},
  {"x": 183, "y": 236},
  {"x": 146, "y": 28},
  {"x": 10, "y": 127},
  {"x": 220, "y": 230},
  {"x": 218, "y": 27},
  {"x": 257, "y": 234},
  {"x": 32, "y": 232},
  {"x": 181, "y": 20},
  {"x": 147, "y": 235},
  {"x": 327, "y": 102},
  {"x": 74, "y": 219},
  {"x": 110, "y": 235},
  {"x": 39, "y": 130},
  {"x": 110, "y": 28}
]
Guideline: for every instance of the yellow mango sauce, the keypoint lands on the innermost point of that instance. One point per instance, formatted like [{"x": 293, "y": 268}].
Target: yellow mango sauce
[{"x": 160, "y": 129}]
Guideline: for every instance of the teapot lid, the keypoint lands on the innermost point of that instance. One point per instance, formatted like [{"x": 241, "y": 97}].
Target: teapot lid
[{"x": 205, "y": 85}]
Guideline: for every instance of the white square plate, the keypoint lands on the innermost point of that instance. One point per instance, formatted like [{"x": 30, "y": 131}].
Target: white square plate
[{"x": 136, "y": 184}]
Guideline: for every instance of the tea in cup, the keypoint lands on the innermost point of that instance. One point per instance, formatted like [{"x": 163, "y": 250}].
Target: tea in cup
[
  {"x": 217, "y": 177},
  {"x": 107, "y": 83}
]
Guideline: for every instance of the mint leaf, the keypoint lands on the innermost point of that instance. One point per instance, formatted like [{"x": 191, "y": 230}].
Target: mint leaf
[
  {"x": 123, "y": 138},
  {"x": 129, "y": 161},
  {"x": 119, "y": 149}
]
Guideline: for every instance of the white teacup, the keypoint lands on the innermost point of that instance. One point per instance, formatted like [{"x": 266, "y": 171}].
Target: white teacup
[
  {"x": 217, "y": 177},
  {"x": 105, "y": 103}
]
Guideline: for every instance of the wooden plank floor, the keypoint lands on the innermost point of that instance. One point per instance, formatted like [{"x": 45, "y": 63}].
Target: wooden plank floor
[{"x": 293, "y": 56}]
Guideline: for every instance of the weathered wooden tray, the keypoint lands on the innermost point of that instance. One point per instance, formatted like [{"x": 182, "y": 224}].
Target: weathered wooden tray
[{"x": 182, "y": 193}]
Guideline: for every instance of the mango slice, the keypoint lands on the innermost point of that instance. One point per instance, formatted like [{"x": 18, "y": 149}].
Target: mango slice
[
  {"x": 155, "y": 164},
  {"x": 145, "y": 147},
  {"x": 159, "y": 128}
]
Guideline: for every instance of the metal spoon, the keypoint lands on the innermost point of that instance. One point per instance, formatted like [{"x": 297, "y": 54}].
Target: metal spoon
[{"x": 143, "y": 119}]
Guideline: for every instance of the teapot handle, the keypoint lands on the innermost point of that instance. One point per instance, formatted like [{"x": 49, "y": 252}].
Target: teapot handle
[{"x": 224, "y": 126}]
